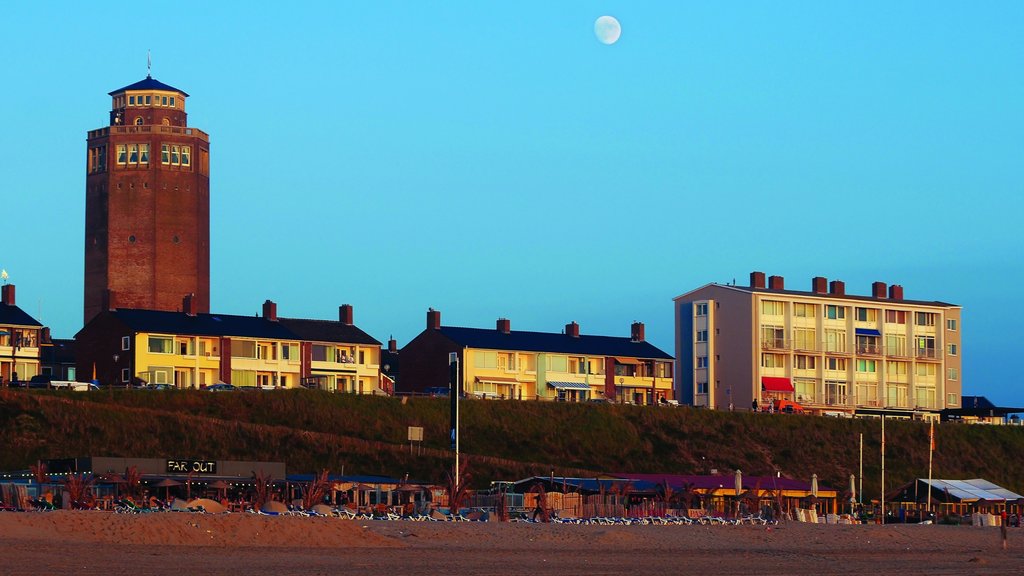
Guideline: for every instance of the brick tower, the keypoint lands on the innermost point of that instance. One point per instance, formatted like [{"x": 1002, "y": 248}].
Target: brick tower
[{"x": 147, "y": 204}]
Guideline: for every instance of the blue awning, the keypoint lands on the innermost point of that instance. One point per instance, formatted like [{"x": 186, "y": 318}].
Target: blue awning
[
  {"x": 569, "y": 385},
  {"x": 867, "y": 332}
]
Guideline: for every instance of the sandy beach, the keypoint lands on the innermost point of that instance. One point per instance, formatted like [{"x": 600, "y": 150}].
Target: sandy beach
[{"x": 92, "y": 542}]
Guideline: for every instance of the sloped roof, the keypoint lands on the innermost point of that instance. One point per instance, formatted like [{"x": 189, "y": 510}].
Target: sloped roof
[
  {"x": 551, "y": 342},
  {"x": 327, "y": 331},
  {"x": 202, "y": 324},
  {"x": 678, "y": 481},
  {"x": 972, "y": 490},
  {"x": 148, "y": 84},
  {"x": 14, "y": 316}
]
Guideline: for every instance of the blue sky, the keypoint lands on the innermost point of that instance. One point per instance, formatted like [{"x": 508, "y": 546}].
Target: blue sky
[{"x": 495, "y": 160}]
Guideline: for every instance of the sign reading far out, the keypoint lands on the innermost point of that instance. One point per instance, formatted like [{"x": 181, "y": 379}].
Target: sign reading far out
[{"x": 194, "y": 466}]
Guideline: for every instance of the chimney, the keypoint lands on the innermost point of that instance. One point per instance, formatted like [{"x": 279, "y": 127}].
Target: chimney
[
  {"x": 895, "y": 292},
  {"x": 7, "y": 295},
  {"x": 433, "y": 319},
  {"x": 188, "y": 304},
  {"x": 636, "y": 332},
  {"x": 392, "y": 345},
  {"x": 837, "y": 287},
  {"x": 109, "y": 299},
  {"x": 45, "y": 336},
  {"x": 776, "y": 283},
  {"x": 572, "y": 329},
  {"x": 819, "y": 285},
  {"x": 345, "y": 314},
  {"x": 504, "y": 325},
  {"x": 757, "y": 279},
  {"x": 270, "y": 311},
  {"x": 878, "y": 289}
]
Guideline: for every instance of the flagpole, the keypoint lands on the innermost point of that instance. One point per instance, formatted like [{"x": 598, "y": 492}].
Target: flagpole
[
  {"x": 883, "y": 469},
  {"x": 860, "y": 488},
  {"x": 931, "y": 450}
]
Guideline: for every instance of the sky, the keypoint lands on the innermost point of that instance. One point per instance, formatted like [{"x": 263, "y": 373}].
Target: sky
[{"x": 496, "y": 160}]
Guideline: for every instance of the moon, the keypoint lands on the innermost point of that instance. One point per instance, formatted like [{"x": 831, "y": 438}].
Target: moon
[{"x": 607, "y": 30}]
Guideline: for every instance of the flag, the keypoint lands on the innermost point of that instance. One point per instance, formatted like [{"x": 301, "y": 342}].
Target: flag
[{"x": 931, "y": 436}]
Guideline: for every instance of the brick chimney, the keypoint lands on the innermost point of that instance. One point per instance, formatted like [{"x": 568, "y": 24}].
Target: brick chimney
[
  {"x": 819, "y": 285},
  {"x": 878, "y": 289},
  {"x": 345, "y": 314},
  {"x": 188, "y": 304},
  {"x": 895, "y": 292},
  {"x": 572, "y": 329},
  {"x": 837, "y": 287},
  {"x": 433, "y": 319},
  {"x": 757, "y": 279},
  {"x": 392, "y": 345},
  {"x": 44, "y": 336},
  {"x": 636, "y": 332},
  {"x": 7, "y": 294},
  {"x": 776, "y": 283},
  {"x": 504, "y": 325},
  {"x": 270, "y": 311}
]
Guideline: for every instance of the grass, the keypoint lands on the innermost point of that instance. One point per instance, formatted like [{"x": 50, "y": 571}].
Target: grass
[{"x": 311, "y": 431}]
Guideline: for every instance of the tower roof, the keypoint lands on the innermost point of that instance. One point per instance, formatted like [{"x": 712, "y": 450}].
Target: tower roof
[{"x": 148, "y": 84}]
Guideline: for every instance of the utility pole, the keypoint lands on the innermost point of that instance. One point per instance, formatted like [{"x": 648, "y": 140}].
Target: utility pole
[{"x": 454, "y": 390}]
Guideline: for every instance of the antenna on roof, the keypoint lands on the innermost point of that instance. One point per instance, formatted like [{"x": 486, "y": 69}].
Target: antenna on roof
[{"x": 149, "y": 64}]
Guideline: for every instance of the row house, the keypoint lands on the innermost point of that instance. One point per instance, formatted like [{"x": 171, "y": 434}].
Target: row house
[
  {"x": 831, "y": 352},
  {"x": 188, "y": 349},
  {"x": 520, "y": 365},
  {"x": 21, "y": 339}
]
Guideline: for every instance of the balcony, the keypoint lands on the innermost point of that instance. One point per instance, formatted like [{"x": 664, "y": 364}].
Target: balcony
[
  {"x": 774, "y": 344},
  {"x": 927, "y": 354},
  {"x": 896, "y": 352},
  {"x": 869, "y": 350},
  {"x": 835, "y": 349}
]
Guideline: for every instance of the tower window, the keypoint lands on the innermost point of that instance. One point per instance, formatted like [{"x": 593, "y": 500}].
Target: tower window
[
  {"x": 133, "y": 154},
  {"x": 163, "y": 101},
  {"x": 172, "y": 101},
  {"x": 148, "y": 101},
  {"x": 138, "y": 121},
  {"x": 143, "y": 153},
  {"x": 185, "y": 153},
  {"x": 122, "y": 154},
  {"x": 174, "y": 155},
  {"x": 165, "y": 154},
  {"x": 132, "y": 239},
  {"x": 131, "y": 100}
]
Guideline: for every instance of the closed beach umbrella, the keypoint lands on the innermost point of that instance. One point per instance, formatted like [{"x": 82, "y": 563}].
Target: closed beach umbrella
[
  {"x": 814, "y": 485},
  {"x": 853, "y": 489},
  {"x": 739, "y": 482}
]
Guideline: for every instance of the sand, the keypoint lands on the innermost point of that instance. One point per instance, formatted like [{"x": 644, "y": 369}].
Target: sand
[{"x": 92, "y": 542}]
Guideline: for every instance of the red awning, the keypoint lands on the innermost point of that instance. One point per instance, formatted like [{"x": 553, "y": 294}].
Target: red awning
[{"x": 776, "y": 384}]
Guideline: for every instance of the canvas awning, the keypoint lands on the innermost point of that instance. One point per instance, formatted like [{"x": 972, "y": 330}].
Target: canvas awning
[
  {"x": 622, "y": 360},
  {"x": 496, "y": 380},
  {"x": 867, "y": 332},
  {"x": 776, "y": 384},
  {"x": 558, "y": 385}
]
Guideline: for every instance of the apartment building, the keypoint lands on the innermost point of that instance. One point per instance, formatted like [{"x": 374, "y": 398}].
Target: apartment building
[
  {"x": 21, "y": 338},
  {"x": 743, "y": 347},
  {"x": 519, "y": 365},
  {"x": 188, "y": 349}
]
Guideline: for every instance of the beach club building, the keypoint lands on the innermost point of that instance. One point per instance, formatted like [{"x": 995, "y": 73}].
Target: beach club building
[
  {"x": 188, "y": 349},
  {"x": 520, "y": 365},
  {"x": 21, "y": 338},
  {"x": 745, "y": 347}
]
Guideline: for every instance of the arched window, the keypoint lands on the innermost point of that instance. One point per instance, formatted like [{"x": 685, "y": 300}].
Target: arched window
[{"x": 138, "y": 121}]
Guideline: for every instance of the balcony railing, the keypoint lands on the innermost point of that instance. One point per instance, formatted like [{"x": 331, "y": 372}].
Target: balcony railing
[
  {"x": 774, "y": 344},
  {"x": 926, "y": 354},
  {"x": 869, "y": 349},
  {"x": 896, "y": 352}
]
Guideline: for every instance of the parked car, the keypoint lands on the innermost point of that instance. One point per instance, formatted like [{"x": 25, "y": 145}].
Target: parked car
[{"x": 221, "y": 388}]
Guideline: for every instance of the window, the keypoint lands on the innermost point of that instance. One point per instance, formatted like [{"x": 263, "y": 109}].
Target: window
[
  {"x": 926, "y": 370},
  {"x": 701, "y": 309},
  {"x": 771, "y": 308},
  {"x": 163, "y": 100},
  {"x": 362, "y": 360},
  {"x": 558, "y": 363},
  {"x": 702, "y": 361},
  {"x": 951, "y": 325},
  {"x": 174, "y": 155},
  {"x": 806, "y": 390},
  {"x": 161, "y": 345},
  {"x": 867, "y": 315},
  {"x": 805, "y": 310},
  {"x": 131, "y": 100},
  {"x": 895, "y": 317},
  {"x": 138, "y": 121},
  {"x": 773, "y": 361},
  {"x": 702, "y": 387},
  {"x": 866, "y": 366},
  {"x": 702, "y": 335},
  {"x": 924, "y": 397},
  {"x": 122, "y": 154},
  {"x": 835, "y": 364},
  {"x": 952, "y": 374},
  {"x": 867, "y": 394},
  {"x": 804, "y": 339},
  {"x": 835, "y": 392},
  {"x": 244, "y": 349},
  {"x": 124, "y": 374},
  {"x": 148, "y": 100},
  {"x": 143, "y": 153},
  {"x": 801, "y": 362},
  {"x": 289, "y": 351},
  {"x": 895, "y": 345},
  {"x": 951, "y": 400},
  {"x": 772, "y": 337},
  {"x": 896, "y": 395},
  {"x": 951, "y": 349},
  {"x": 924, "y": 319},
  {"x": 126, "y": 343},
  {"x": 896, "y": 370},
  {"x": 868, "y": 345},
  {"x": 925, "y": 346},
  {"x": 833, "y": 312},
  {"x": 835, "y": 340},
  {"x": 165, "y": 154},
  {"x": 186, "y": 154}
]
